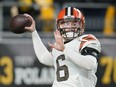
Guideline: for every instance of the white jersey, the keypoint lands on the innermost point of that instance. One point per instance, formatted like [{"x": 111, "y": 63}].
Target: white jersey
[{"x": 71, "y": 68}]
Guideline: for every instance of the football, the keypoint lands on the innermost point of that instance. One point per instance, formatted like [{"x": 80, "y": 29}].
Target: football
[{"x": 18, "y": 23}]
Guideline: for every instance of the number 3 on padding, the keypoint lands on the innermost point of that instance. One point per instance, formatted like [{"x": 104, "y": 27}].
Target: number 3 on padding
[{"x": 62, "y": 68}]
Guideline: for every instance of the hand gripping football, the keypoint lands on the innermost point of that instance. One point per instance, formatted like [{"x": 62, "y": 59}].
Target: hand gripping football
[{"x": 18, "y": 23}]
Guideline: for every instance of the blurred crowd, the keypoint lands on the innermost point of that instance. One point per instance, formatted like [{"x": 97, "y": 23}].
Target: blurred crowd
[
  {"x": 45, "y": 11},
  {"x": 42, "y": 10}
]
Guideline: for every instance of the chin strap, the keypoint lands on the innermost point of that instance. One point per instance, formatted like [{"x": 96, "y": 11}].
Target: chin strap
[
  {"x": 66, "y": 41},
  {"x": 79, "y": 30}
]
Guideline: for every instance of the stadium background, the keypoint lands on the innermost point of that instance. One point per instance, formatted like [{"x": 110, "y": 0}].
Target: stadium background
[{"x": 19, "y": 66}]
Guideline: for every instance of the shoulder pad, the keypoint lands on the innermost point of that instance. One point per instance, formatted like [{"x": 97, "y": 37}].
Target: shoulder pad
[
  {"x": 87, "y": 37},
  {"x": 91, "y": 41}
]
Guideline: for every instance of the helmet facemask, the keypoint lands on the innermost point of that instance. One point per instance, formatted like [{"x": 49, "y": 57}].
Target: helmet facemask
[{"x": 70, "y": 28}]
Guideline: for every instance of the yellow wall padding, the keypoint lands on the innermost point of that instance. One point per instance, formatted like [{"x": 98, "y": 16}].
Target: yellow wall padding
[{"x": 109, "y": 21}]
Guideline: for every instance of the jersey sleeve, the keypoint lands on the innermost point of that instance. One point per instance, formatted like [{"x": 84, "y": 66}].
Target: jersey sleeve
[
  {"x": 86, "y": 61},
  {"x": 90, "y": 45},
  {"x": 43, "y": 55}
]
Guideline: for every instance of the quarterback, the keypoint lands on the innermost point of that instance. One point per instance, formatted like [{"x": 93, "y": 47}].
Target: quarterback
[{"x": 74, "y": 55}]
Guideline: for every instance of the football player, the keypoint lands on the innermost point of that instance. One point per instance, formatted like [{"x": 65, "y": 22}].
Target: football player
[{"x": 74, "y": 55}]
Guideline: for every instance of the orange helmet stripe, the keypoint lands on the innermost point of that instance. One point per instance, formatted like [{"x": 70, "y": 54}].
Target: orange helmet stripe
[{"x": 61, "y": 14}]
